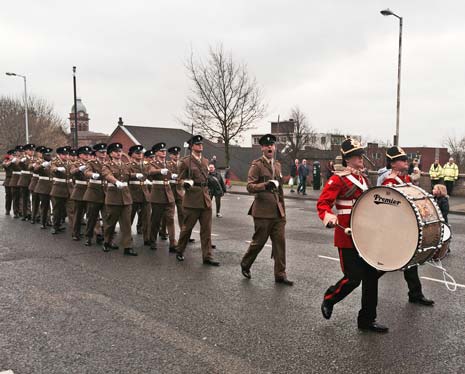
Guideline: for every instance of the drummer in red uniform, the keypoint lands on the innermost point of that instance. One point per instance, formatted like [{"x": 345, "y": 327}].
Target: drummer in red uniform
[
  {"x": 342, "y": 190},
  {"x": 397, "y": 167}
]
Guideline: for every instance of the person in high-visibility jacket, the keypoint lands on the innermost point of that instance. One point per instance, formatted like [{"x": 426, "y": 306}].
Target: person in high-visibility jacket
[
  {"x": 435, "y": 173},
  {"x": 450, "y": 172}
]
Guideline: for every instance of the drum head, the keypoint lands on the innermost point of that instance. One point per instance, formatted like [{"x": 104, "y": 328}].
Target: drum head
[
  {"x": 447, "y": 233},
  {"x": 384, "y": 228}
]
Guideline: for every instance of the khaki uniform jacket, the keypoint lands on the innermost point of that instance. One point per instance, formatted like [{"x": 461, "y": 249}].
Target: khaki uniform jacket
[
  {"x": 161, "y": 189},
  {"x": 60, "y": 179},
  {"x": 113, "y": 171},
  {"x": 176, "y": 185},
  {"x": 138, "y": 189},
  {"x": 8, "y": 173},
  {"x": 196, "y": 196},
  {"x": 26, "y": 174},
  {"x": 95, "y": 192},
  {"x": 267, "y": 204},
  {"x": 80, "y": 181},
  {"x": 35, "y": 176},
  {"x": 44, "y": 184}
]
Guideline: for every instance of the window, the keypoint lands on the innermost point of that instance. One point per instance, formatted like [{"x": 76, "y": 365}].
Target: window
[{"x": 323, "y": 140}]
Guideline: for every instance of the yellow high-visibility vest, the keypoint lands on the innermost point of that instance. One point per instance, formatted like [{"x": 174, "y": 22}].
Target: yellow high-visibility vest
[
  {"x": 450, "y": 172},
  {"x": 435, "y": 173}
]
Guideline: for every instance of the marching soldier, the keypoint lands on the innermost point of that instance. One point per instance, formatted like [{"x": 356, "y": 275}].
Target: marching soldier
[
  {"x": 342, "y": 189},
  {"x": 268, "y": 211},
  {"x": 138, "y": 187},
  {"x": 35, "y": 199},
  {"x": 161, "y": 197},
  {"x": 95, "y": 194},
  {"x": 80, "y": 187},
  {"x": 60, "y": 191},
  {"x": 25, "y": 179},
  {"x": 44, "y": 185},
  {"x": 197, "y": 204},
  {"x": 397, "y": 165},
  {"x": 16, "y": 174},
  {"x": 7, "y": 165},
  {"x": 118, "y": 200}
]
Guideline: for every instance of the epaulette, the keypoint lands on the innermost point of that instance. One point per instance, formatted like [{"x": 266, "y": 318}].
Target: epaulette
[{"x": 257, "y": 161}]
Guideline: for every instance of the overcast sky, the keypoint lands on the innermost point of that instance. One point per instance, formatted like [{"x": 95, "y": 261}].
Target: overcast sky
[{"x": 336, "y": 60}]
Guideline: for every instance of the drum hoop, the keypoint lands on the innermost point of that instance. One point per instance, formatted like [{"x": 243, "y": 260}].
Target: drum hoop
[{"x": 417, "y": 215}]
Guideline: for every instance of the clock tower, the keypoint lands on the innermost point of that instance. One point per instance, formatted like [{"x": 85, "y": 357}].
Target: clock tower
[{"x": 82, "y": 117}]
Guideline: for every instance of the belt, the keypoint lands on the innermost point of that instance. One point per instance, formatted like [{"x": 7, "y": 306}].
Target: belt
[
  {"x": 140, "y": 183},
  {"x": 44, "y": 178},
  {"x": 25, "y": 172},
  {"x": 173, "y": 181},
  {"x": 80, "y": 182},
  {"x": 95, "y": 181},
  {"x": 344, "y": 211},
  {"x": 35, "y": 175},
  {"x": 17, "y": 172},
  {"x": 200, "y": 184},
  {"x": 345, "y": 202},
  {"x": 160, "y": 182},
  {"x": 114, "y": 185},
  {"x": 60, "y": 180}
]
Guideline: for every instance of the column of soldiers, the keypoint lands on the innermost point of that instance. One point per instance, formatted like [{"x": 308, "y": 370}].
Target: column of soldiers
[{"x": 96, "y": 187}]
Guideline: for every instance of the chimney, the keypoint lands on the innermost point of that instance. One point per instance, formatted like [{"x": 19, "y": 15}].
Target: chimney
[{"x": 120, "y": 121}]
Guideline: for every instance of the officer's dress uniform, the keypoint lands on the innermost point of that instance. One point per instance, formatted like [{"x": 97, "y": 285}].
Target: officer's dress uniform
[
  {"x": 268, "y": 212},
  {"x": 59, "y": 192},
  {"x": 15, "y": 189},
  {"x": 162, "y": 202},
  {"x": 23, "y": 184},
  {"x": 197, "y": 206},
  {"x": 178, "y": 191},
  {"x": 6, "y": 184},
  {"x": 43, "y": 189},
  {"x": 77, "y": 195},
  {"x": 35, "y": 199},
  {"x": 118, "y": 204},
  {"x": 342, "y": 191}
]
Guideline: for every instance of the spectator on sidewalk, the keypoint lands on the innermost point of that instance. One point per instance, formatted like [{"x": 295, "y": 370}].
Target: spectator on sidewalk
[
  {"x": 303, "y": 174},
  {"x": 213, "y": 161},
  {"x": 415, "y": 176},
  {"x": 294, "y": 173},
  {"x": 216, "y": 187},
  {"x": 412, "y": 165},
  {"x": 435, "y": 173},
  {"x": 450, "y": 171}
]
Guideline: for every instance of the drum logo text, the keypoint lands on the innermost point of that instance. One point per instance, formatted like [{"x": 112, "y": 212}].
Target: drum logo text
[{"x": 384, "y": 200}]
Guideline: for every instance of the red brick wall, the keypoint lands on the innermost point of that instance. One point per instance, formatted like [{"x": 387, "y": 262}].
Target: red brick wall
[
  {"x": 428, "y": 155},
  {"x": 119, "y": 136}
]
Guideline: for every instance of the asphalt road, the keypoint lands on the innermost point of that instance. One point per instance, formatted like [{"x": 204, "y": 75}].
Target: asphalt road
[{"x": 66, "y": 308}]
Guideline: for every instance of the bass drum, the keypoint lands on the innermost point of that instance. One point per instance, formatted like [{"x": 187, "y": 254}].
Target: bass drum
[
  {"x": 442, "y": 251},
  {"x": 396, "y": 227}
]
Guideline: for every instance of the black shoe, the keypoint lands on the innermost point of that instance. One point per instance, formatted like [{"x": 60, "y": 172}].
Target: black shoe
[
  {"x": 113, "y": 246},
  {"x": 7, "y": 213},
  {"x": 211, "y": 262},
  {"x": 213, "y": 246},
  {"x": 106, "y": 247},
  {"x": 179, "y": 257},
  {"x": 191, "y": 240},
  {"x": 163, "y": 237},
  {"x": 373, "y": 326},
  {"x": 285, "y": 281},
  {"x": 88, "y": 242},
  {"x": 172, "y": 249},
  {"x": 99, "y": 239},
  {"x": 16, "y": 216},
  {"x": 153, "y": 246},
  {"x": 291, "y": 191},
  {"x": 76, "y": 238},
  {"x": 421, "y": 300},
  {"x": 43, "y": 227},
  {"x": 129, "y": 252},
  {"x": 246, "y": 272},
  {"x": 24, "y": 219},
  {"x": 147, "y": 242},
  {"x": 326, "y": 309},
  {"x": 54, "y": 231},
  {"x": 33, "y": 221},
  {"x": 61, "y": 229}
]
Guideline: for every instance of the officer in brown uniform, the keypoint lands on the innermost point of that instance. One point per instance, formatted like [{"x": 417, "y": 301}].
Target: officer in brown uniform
[
  {"x": 95, "y": 194},
  {"x": 118, "y": 200},
  {"x": 44, "y": 185},
  {"x": 138, "y": 187},
  {"x": 161, "y": 197},
  {"x": 25, "y": 179},
  {"x": 77, "y": 169},
  {"x": 6, "y": 183},
  {"x": 197, "y": 204},
  {"x": 268, "y": 212},
  {"x": 60, "y": 191},
  {"x": 16, "y": 173},
  {"x": 35, "y": 199}
]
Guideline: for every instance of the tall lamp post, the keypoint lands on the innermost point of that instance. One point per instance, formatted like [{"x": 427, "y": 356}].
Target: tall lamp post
[
  {"x": 75, "y": 133},
  {"x": 25, "y": 102},
  {"x": 388, "y": 12}
]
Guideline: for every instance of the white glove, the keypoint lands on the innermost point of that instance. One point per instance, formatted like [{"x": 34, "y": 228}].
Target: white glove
[
  {"x": 139, "y": 175},
  {"x": 14, "y": 159},
  {"x": 46, "y": 164},
  {"x": 82, "y": 167},
  {"x": 23, "y": 159},
  {"x": 147, "y": 182},
  {"x": 164, "y": 171},
  {"x": 61, "y": 169},
  {"x": 119, "y": 184},
  {"x": 174, "y": 176},
  {"x": 95, "y": 175}
]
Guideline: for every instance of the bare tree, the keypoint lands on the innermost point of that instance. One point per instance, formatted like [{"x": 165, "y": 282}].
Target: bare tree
[
  {"x": 224, "y": 101},
  {"x": 45, "y": 126},
  {"x": 299, "y": 135},
  {"x": 456, "y": 147}
]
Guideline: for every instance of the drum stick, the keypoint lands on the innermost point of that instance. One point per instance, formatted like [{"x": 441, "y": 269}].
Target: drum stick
[{"x": 347, "y": 230}]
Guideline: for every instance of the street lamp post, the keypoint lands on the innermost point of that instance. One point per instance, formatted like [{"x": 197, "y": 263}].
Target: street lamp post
[
  {"x": 25, "y": 102},
  {"x": 75, "y": 132},
  {"x": 388, "y": 12}
]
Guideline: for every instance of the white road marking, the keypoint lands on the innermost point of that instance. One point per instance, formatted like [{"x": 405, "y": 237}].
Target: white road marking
[
  {"x": 441, "y": 281},
  {"x": 198, "y": 232},
  {"x": 266, "y": 245},
  {"x": 329, "y": 258},
  {"x": 7, "y": 372}
]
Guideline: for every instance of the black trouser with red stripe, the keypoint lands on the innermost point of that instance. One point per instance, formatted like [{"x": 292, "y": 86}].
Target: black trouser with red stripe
[{"x": 356, "y": 271}]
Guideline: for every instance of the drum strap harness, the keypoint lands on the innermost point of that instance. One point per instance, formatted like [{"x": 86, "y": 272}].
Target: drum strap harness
[{"x": 360, "y": 184}]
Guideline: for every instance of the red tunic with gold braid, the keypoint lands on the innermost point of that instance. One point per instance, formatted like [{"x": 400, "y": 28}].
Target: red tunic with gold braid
[
  {"x": 394, "y": 181},
  {"x": 342, "y": 192}
]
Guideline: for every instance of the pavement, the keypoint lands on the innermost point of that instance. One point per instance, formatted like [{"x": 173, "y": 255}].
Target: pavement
[
  {"x": 67, "y": 308},
  {"x": 456, "y": 203}
]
